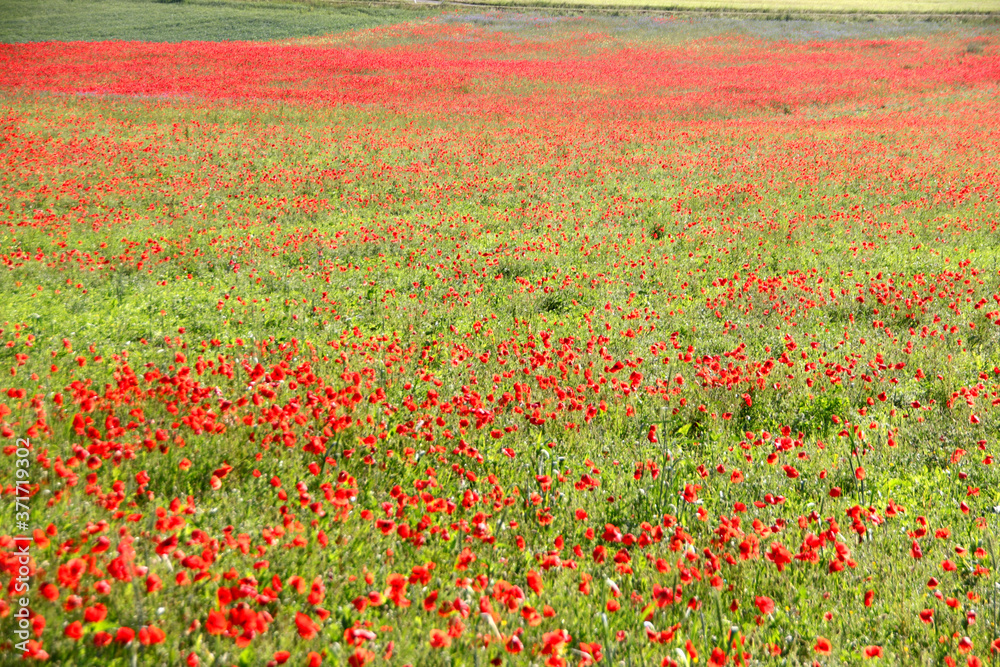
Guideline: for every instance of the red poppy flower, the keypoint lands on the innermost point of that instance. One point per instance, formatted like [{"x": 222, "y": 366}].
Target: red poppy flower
[
  {"x": 359, "y": 657},
  {"x": 307, "y": 627},
  {"x": 553, "y": 642},
  {"x": 74, "y": 630},
  {"x": 217, "y": 623},
  {"x": 873, "y": 652},
  {"x": 779, "y": 555},
  {"x": 50, "y": 591},
  {"x": 440, "y": 639},
  {"x": 153, "y": 583},
  {"x": 535, "y": 581},
  {"x": 691, "y": 651},
  {"x": 151, "y": 635},
  {"x": 95, "y": 613}
]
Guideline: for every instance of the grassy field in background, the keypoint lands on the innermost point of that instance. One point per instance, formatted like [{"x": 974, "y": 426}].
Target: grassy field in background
[
  {"x": 225, "y": 20},
  {"x": 148, "y": 20}
]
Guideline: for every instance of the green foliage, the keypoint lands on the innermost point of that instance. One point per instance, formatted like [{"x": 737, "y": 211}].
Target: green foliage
[{"x": 183, "y": 20}]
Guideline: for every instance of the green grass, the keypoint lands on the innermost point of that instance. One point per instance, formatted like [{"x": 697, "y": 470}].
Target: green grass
[{"x": 205, "y": 20}]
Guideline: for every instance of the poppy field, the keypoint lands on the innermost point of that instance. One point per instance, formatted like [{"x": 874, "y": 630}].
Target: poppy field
[{"x": 495, "y": 339}]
